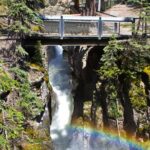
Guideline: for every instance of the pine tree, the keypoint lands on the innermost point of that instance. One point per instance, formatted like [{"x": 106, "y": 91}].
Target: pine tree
[
  {"x": 23, "y": 14},
  {"x": 123, "y": 66}
]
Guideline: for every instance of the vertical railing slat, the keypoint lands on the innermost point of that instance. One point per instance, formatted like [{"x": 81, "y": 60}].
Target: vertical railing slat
[
  {"x": 115, "y": 27},
  {"x": 61, "y": 27},
  {"x": 133, "y": 27},
  {"x": 100, "y": 28},
  {"x": 119, "y": 29}
]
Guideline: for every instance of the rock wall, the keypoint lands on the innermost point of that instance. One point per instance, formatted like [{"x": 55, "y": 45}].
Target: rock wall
[
  {"x": 84, "y": 61},
  {"x": 33, "y": 79}
]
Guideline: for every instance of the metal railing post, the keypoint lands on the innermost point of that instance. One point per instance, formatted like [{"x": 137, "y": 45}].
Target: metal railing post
[
  {"x": 115, "y": 27},
  {"x": 100, "y": 28},
  {"x": 119, "y": 29},
  {"x": 133, "y": 27},
  {"x": 61, "y": 27}
]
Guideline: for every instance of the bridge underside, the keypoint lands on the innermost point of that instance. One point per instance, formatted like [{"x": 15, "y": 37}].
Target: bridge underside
[{"x": 73, "y": 41}]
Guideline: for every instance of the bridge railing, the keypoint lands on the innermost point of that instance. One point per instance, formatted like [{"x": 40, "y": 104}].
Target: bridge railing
[
  {"x": 88, "y": 26},
  {"x": 85, "y": 26}
]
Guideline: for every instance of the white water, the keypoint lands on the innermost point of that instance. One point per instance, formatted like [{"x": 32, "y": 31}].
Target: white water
[{"x": 62, "y": 105}]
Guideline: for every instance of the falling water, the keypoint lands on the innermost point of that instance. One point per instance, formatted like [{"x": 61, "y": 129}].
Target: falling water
[{"x": 62, "y": 98}]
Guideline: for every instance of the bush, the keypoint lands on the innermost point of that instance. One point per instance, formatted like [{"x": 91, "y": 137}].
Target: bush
[{"x": 6, "y": 81}]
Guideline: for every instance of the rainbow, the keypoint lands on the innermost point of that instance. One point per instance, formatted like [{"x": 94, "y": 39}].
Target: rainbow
[{"x": 111, "y": 136}]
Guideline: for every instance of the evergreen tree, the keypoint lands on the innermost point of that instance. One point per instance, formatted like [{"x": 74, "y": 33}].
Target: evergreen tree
[
  {"x": 122, "y": 69},
  {"x": 23, "y": 14}
]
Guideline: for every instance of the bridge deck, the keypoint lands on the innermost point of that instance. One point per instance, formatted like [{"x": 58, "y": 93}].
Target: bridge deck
[{"x": 72, "y": 41}]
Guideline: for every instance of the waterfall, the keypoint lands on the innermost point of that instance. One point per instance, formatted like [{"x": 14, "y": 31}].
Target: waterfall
[
  {"x": 62, "y": 136},
  {"x": 60, "y": 81}
]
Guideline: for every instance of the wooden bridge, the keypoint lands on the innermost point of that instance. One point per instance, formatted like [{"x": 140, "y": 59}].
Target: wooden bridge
[{"x": 77, "y": 30}]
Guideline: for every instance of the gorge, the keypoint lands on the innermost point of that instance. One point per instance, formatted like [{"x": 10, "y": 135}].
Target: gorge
[
  {"x": 77, "y": 97},
  {"x": 65, "y": 133}
]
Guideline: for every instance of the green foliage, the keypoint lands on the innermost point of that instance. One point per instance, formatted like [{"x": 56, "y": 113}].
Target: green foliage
[
  {"x": 14, "y": 122},
  {"x": 134, "y": 58},
  {"x": 20, "y": 11},
  {"x": 3, "y": 142},
  {"x": 134, "y": 2},
  {"x": 30, "y": 104},
  {"x": 21, "y": 51},
  {"x": 109, "y": 68},
  {"x": 6, "y": 82},
  {"x": 23, "y": 16},
  {"x": 11, "y": 124},
  {"x": 140, "y": 3},
  {"x": 35, "y": 53},
  {"x": 18, "y": 29},
  {"x": 20, "y": 74},
  {"x": 127, "y": 59},
  {"x": 113, "y": 111},
  {"x": 138, "y": 97},
  {"x": 112, "y": 97},
  {"x": 37, "y": 57}
]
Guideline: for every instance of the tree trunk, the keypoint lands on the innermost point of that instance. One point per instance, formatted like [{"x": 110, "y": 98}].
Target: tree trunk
[
  {"x": 78, "y": 101},
  {"x": 91, "y": 7},
  {"x": 94, "y": 108},
  {"x": 103, "y": 100},
  {"x": 146, "y": 81},
  {"x": 123, "y": 91},
  {"x": 117, "y": 122}
]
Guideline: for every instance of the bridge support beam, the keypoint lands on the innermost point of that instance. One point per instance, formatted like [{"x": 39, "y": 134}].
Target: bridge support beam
[{"x": 71, "y": 41}]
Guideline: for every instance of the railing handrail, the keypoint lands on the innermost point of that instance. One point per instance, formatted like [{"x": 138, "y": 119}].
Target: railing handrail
[{"x": 89, "y": 18}]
